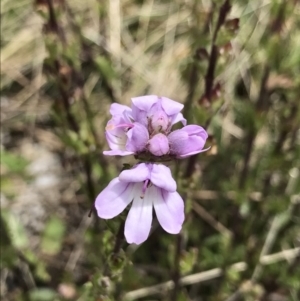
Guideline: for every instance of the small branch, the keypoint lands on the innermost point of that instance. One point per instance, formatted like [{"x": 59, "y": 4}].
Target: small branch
[
  {"x": 213, "y": 58},
  {"x": 117, "y": 247},
  {"x": 119, "y": 238},
  {"x": 209, "y": 77},
  {"x": 260, "y": 105},
  {"x": 211, "y": 220},
  {"x": 249, "y": 148},
  {"x": 176, "y": 272},
  {"x": 285, "y": 130},
  {"x": 209, "y": 275},
  {"x": 255, "y": 196},
  {"x": 78, "y": 249},
  {"x": 224, "y": 10},
  {"x": 278, "y": 223}
]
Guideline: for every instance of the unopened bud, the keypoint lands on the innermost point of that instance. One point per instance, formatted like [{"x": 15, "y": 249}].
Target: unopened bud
[{"x": 158, "y": 145}]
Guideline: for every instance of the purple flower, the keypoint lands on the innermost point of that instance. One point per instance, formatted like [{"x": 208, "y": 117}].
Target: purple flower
[
  {"x": 148, "y": 186},
  {"x": 187, "y": 141},
  {"x": 129, "y": 129}
]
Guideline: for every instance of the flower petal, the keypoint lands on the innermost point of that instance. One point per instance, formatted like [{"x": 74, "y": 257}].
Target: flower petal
[
  {"x": 138, "y": 137},
  {"x": 193, "y": 129},
  {"x": 139, "y": 219},
  {"x": 144, "y": 103},
  {"x": 117, "y": 109},
  {"x": 193, "y": 153},
  {"x": 161, "y": 177},
  {"x": 117, "y": 152},
  {"x": 114, "y": 199},
  {"x": 169, "y": 209},
  {"x": 139, "y": 173},
  {"x": 141, "y": 106},
  {"x": 170, "y": 106},
  {"x": 178, "y": 117},
  {"x": 116, "y": 139}
]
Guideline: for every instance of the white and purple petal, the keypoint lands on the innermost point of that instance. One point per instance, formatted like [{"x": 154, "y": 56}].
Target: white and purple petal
[
  {"x": 169, "y": 209},
  {"x": 117, "y": 152},
  {"x": 139, "y": 173},
  {"x": 114, "y": 199},
  {"x": 139, "y": 219},
  {"x": 161, "y": 177}
]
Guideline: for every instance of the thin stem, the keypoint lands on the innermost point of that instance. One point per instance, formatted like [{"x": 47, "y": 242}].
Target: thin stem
[{"x": 176, "y": 271}]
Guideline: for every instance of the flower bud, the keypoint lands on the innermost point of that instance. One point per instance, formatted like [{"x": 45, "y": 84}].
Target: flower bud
[
  {"x": 158, "y": 145},
  {"x": 187, "y": 141},
  {"x": 159, "y": 121}
]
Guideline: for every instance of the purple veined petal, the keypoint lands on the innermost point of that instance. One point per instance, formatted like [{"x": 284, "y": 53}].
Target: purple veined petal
[
  {"x": 178, "y": 117},
  {"x": 169, "y": 209},
  {"x": 193, "y": 153},
  {"x": 139, "y": 173},
  {"x": 117, "y": 109},
  {"x": 158, "y": 145},
  {"x": 170, "y": 106},
  {"x": 161, "y": 177},
  {"x": 114, "y": 199},
  {"x": 139, "y": 219},
  {"x": 138, "y": 137},
  {"x": 117, "y": 152}
]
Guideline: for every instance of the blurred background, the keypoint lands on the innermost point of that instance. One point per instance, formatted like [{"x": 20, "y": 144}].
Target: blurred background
[{"x": 235, "y": 65}]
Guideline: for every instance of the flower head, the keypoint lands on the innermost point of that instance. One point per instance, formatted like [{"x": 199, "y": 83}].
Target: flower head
[
  {"x": 129, "y": 129},
  {"x": 148, "y": 186}
]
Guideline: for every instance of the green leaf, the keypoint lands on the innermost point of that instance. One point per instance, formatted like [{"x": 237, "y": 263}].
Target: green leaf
[
  {"x": 12, "y": 162},
  {"x": 42, "y": 294},
  {"x": 53, "y": 236},
  {"x": 105, "y": 68},
  {"x": 16, "y": 230}
]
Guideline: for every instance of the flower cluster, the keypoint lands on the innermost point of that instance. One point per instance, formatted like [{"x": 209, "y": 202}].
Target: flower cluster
[{"x": 145, "y": 131}]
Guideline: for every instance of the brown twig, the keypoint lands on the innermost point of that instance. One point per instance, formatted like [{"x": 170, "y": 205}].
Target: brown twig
[
  {"x": 213, "y": 58},
  {"x": 209, "y": 77},
  {"x": 209, "y": 275}
]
